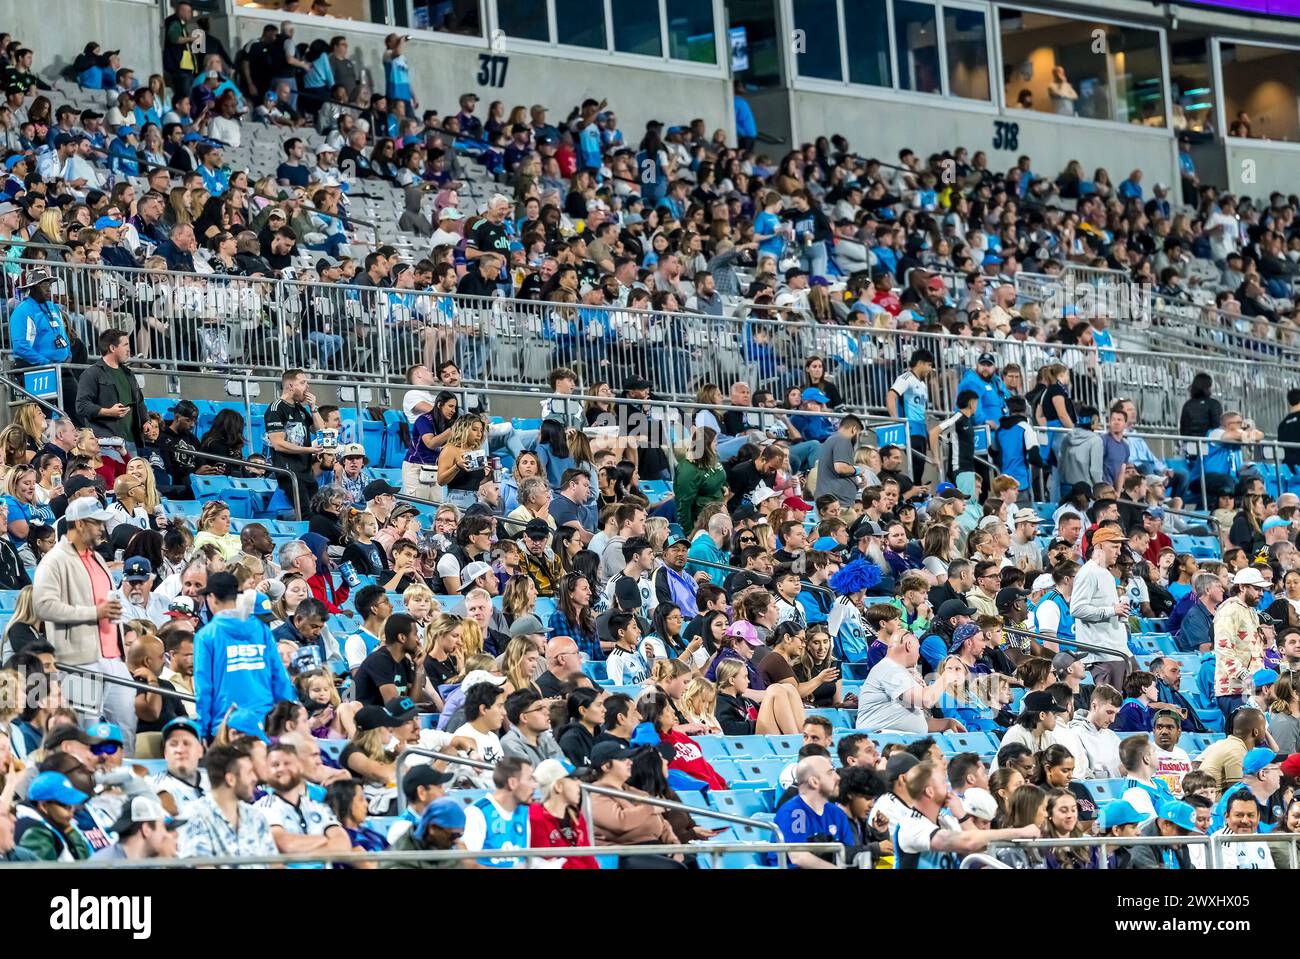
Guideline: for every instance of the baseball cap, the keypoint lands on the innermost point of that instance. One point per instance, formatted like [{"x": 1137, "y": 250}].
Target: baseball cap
[
  {"x": 1025, "y": 515},
  {"x": 538, "y": 529},
  {"x": 106, "y": 733},
  {"x": 761, "y": 493},
  {"x": 223, "y": 586},
  {"x": 987, "y": 359},
  {"x": 379, "y": 488},
  {"x": 1249, "y": 576},
  {"x": 1040, "y": 702},
  {"x": 262, "y": 605},
  {"x": 826, "y": 544},
  {"x": 1181, "y": 814},
  {"x": 68, "y": 734},
  {"x": 936, "y": 283},
  {"x": 604, "y": 752},
  {"x": 744, "y": 513},
  {"x": 1291, "y": 766},
  {"x": 444, "y": 813},
  {"x": 898, "y": 765},
  {"x": 450, "y": 213},
  {"x": 140, "y": 809},
  {"x": 980, "y": 803},
  {"x": 676, "y": 538},
  {"x": 249, "y": 722},
  {"x": 1264, "y": 677},
  {"x": 1273, "y": 522},
  {"x": 627, "y": 594},
  {"x": 1008, "y": 596},
  {"x": 549, "y": 772},
  {"x": 77, "y": 484},
  {"x": 814, "y": 395},
  {"x": 636, "y": 383},
  {"x": 378, "y": 717},
  {"x": 954, "y": 607},
  {"x": 138, "y": 569},
  {"x": 353, "y": 449},
  {"x": 88, "y": 508},
  {"x": 1155, "y": 512},
  {"x": 746, "y": 631},
  {"x": 1258, "y": 758},
  {"x": 476, "y": 676},
  {"x": 181, "y": 606},
  {"x": 1043, "y": 581},
  {"x": 525, "y": 626},
  {"x": 796, "y": 503},
  {"x": 472, "y": 572},
  {"x": 324, "y": 263},
  {"x": 107, "y": 222},
  {"x": 423, "y": 774},
  {"x": 1118, "y": 813},
  {"x": 55, "y": 787},
  {"x": 864, "y": 526},
  {"x": 1108, "y": 534},
  {"x": 948, "y": 489},
  {"x": 1065, "y": 659},
  {"x": 992, "y": 521},
  {"x": 178, "y": 725}
]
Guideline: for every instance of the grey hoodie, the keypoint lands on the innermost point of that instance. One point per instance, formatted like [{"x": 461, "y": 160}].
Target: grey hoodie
[{"x": 1080, "y": 456}]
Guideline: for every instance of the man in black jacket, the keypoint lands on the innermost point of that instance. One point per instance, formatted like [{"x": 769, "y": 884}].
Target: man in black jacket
[{"x": 109, "y": 399}]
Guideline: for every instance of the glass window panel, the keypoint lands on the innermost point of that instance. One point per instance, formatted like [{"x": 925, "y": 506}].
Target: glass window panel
[
  {"x": 690, "y": 31},
  {"x": 636, "y": 27},
  {"x": 1056, "y": 65},
  {"x": 1261, "y": 82},
  {"x": 916, "y": 38},
  {"x": 816, "y": 23},
  {"x": 579, "y": 23},
  {"x": 754, "y": 43},
  {"x": 445, "y": 16},
  {"x": 1192, "y": 85},
  {"x": 525, "y": 19},
  {"x": 864, "y": 22},
  {"x": 968, "y": 53}
]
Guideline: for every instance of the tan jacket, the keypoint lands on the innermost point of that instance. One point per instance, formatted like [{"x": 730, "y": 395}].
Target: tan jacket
[
  {"x": 64, "y": 599},
  {"x": 620, "y": 821}
]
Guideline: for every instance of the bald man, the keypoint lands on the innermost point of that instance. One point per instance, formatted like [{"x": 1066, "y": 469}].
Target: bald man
[
  {"x": 152, "y": 710},
  {"x": 813, "y": 816},
  {"x": 562, "y": 661}
]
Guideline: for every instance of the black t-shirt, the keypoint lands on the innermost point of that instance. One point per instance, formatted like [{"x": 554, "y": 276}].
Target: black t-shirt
[
  {"x": 379, "y": 669},
  {"x": 548, "y": 684},
  {"x": 473, "y": 283},
  {"x": 964, "y": 461},
  {"x": 171, "y": 708},
  {"x": 1288, "y": 431},
  {"x": 367, "y": 560},
  {"x": 440, "y": 672},
  {"x": 293, "y": 420},
  {"x": 1049, "y": 403},
  {"x": 176, "y": 451},
  {"x": 486, "y": 236}
]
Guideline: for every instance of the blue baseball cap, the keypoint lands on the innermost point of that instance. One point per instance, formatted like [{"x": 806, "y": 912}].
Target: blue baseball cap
[
  {"x": 107, "y": 221},
  {"x": 1118, "y": 813},
  {"x": 826, "y": 544},
  {"x": 262, "y": 605},
  {"x": 181, "y": 724},
  {"x": 192, "y": 138},
  {"x": 14, "y": 160},
  {"x": 1258, "y": 758},
  {"x": 948, "y": 489},
  {"x": 1273, "y": 522},
  {"x": 446, "y": 813},
  {"x": 127, "y": 130},
  {"x": 108, "y": 732},
  {"x": 55, "y": 787},
  {"x": 137, "y": 570},
  {"x": 1181, "y": 814},
  {"x": 249, "y": 722},
  {"x": 814, "y": 395},
  {"x": 1264, "y": 677}
]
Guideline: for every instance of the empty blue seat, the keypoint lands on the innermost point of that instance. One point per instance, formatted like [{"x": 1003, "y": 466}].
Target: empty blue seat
[
  {"x": 760, "y": 770},
  {"x": 596, "y": 670},
  {"x": 712, "y": 747},
  {"x": 747, "y": 747},
  {"x": 743, "y": 802},
  {"x": 782, "y": 745},
  {"x": 839, "y": 717}
]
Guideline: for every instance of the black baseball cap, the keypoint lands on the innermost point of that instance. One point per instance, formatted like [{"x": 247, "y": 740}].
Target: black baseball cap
[
  {"x": 604, "y": 752},
  {"x": 423, "y": 774},
  {"x": 77, "y": 484},
  {"x": 538, "y": 529},
  {"x": 379, "y": 488},
  {"x": 1040, "y": 702},
  {"x": 1009, "y": 596},
  {"x": 66, "y": 734},
  {"x": 954, "y": 607}
]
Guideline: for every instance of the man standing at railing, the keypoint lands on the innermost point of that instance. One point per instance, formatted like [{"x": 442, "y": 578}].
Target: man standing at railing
[
  {"x": 290, "y": 422},
  {"x": 1099, "y": 614},
  {"x": 37, "y": 330},
  {"x": 108, "y": 397}
]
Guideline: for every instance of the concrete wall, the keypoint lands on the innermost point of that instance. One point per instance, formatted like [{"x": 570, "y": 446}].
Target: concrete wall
[
  {"x": 1256, "y": 168},
  {"x": 880, "y": 128},
  {"x": 442, "y": 71},
  {"x": 58, "y": 30}
]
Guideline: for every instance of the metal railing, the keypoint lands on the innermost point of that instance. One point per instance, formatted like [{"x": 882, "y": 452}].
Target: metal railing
[
  {"x": 191, "y": 322},
  {"x": 119, "y": 681},
  {"x": 1215, "y": 841},
  {"x": 714, "y": 850},
  {"x": 588, "y": 789}
]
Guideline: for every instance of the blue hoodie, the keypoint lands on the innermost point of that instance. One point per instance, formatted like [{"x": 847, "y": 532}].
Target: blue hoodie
[
  {"x": 1134, "y": 716},
  {"x": 236, "y": 663}
]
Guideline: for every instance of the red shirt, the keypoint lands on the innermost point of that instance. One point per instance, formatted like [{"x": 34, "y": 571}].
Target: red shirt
[
  {"x": 101, "y": 584},
  {"x": 547, "y": 832},
  {"x": 690, "y": 759},
  {"x": 323, "y": 590},
  {"x": 1158, "y": 542}
]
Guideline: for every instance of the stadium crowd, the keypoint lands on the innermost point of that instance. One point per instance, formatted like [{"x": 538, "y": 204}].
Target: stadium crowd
[{"x": 616, "y": 607}]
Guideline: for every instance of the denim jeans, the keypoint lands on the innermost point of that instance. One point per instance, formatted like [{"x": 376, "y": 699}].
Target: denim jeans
[
  {"x": 327, "y": 344},
  {"x": 813, "y": 258}
]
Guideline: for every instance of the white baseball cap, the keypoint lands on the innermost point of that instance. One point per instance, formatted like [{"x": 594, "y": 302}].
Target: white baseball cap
[
  {"x": 1043, "y": 581},
  {"x": 1249, "y": 576},
  {"x": 88, "y": 508},
  {"x": 980, "y": 803}
]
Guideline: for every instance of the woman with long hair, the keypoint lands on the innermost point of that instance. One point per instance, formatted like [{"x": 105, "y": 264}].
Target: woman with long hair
[
  {"x": 527, "y": 464},
  {"x": 430, "y": 430},
  {"x": 31, "y": 419},
  {"x": 817, "y": 659},
  {"x": 699, "y": 703},
  {"x": 650, "y": 775},
  {"x": 553, "y": 452},
  {"x": 295, "y": 591},
  {"x": 522, "y": 662},
  {"x": 23, "y": 627},
  {"x": 1004, "y": 783},
  {"x": 1027, "y": 806},
  {"x": 346, "y": 799},
  {"x": 1284, "y": 713},
  {"x": 225, "y": 437},
  {"x": 519, "y": 597},
  {"x": 214, "y": 527},
  {"x": 585, "y": 712},
  {"x": 1062, "y": 822},
  {"x": 442, "y": 653},
  {"x": 574, "y": 616},
  {"x": 656, "y": 709},
  {"x": 142, "y": 473},
  {"x": 742, "y": 711},
  {"x": 666, "y": 637},
  {"x": 1247, "y": 531},
  {"x": 462, "y": 463},
  {"x": 24, "y": 510},
  {"x": 1055, "y": 770},
  {"x": 700, "y": 477}
]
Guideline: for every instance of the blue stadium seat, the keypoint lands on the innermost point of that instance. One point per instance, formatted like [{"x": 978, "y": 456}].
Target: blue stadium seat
[
  {"x": 544, "y": 609},
  {"x": 332, "y": 747},
  {"x": 839, "y": 717},
  {"x": 712, "y": 747},
  {"x": 747, "y": 747},
  {"x": 782, "y": 745},
  {"x": 1105, "y": 790},
  {"x": 744, "y": 802},
  {"x": 760, "y": 770},
  {"x": 693, "y": 797},
  {"x": 595, "y": 668},
  {"x": 8, "y": 600}
]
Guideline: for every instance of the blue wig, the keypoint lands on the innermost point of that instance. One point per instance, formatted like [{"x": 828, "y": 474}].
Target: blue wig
[{"x": 856, "y": 577}]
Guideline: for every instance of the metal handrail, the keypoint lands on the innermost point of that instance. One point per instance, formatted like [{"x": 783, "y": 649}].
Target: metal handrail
[
  {"x": 232, "y": 461},
  {"x": 711, "y": 849},
  {"x": 1215, "y": 841},
  {"x": 119, "y": 681},
  {"x": 411, "y": 751}
]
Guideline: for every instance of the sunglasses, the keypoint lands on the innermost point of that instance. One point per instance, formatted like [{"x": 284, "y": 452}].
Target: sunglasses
[{"x": 105, "y": 749}]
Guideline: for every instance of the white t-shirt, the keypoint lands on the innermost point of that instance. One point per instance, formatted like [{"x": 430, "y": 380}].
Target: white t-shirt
[
  {"x": 1171, "y": 766},
  {"x": 308, "y": 818},
  {"x": 1046, "y": 618},
  {"x": 879, "y": 705},
  {"x": 409, "y": 401},
  {"x": 489, "y": 750},
  {"x": 1245, "y": 855},
  {"x": 1226, "y": 240}
]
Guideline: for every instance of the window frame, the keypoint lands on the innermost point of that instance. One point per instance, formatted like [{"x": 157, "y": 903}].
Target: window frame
[{"x": 1220, "y": 104}]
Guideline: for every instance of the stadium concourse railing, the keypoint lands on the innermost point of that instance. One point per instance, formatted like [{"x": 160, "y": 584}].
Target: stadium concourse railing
[
  {"x": 589, "y": 789},
  {"x": 1215, "y": 843},
  {"x": 186, "y": 322},
  {"x": 666, "y": 425},
  {"x": 714, "y": 850}
]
